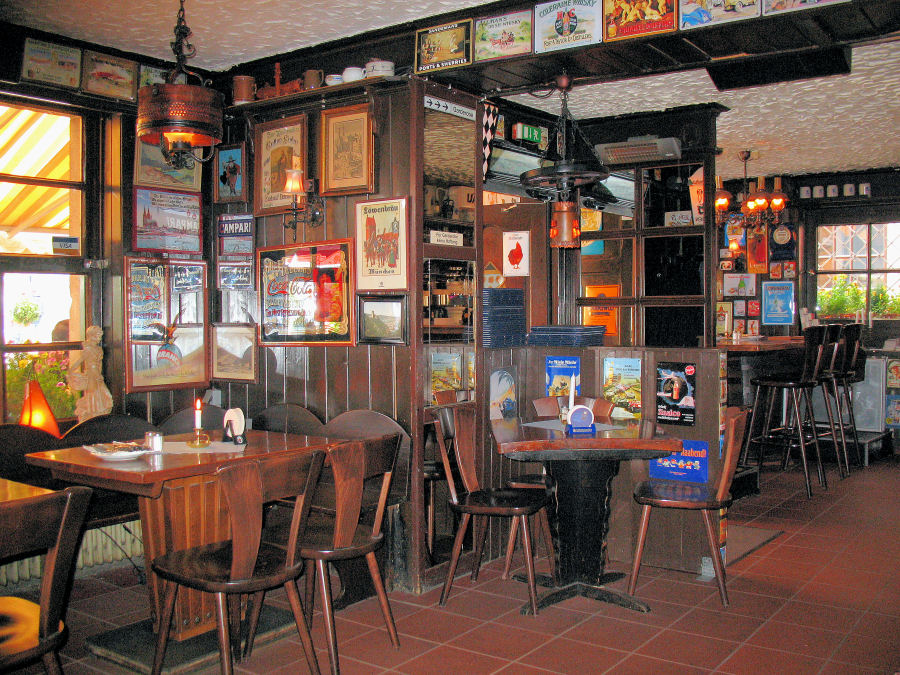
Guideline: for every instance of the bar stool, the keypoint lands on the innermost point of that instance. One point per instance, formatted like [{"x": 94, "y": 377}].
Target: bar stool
[
  {"x": 851, "y": 368},
  {"x": 799, "y": 386},
  {"x": 831, "y": 357}
]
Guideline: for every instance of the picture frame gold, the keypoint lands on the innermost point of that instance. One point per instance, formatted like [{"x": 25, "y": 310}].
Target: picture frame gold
[
  {"x": 110, "y": 76},
  {"x": 277, "y": 145},
  {"x": 446, "y": 46},
  {"x": 152, "y": 170},
  {"x": 233, "y": 352},
  {"x": 347, "y": 152}
]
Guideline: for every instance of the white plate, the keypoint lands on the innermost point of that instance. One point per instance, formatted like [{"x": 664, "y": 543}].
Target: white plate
[{"x": 106, "y": 451}]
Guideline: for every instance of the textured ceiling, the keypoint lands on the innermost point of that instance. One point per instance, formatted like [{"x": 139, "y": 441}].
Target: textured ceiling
[{"x": 837, "y": 123}]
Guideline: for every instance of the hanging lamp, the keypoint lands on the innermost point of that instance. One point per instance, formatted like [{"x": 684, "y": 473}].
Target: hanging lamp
[{"x": 181, "y": 118}]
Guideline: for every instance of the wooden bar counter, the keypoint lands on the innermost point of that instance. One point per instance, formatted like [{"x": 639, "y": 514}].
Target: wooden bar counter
[{"x": 762, "y": 344}]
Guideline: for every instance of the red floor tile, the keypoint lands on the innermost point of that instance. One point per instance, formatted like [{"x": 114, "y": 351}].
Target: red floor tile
[
  {"x": 721, "y": 624},
  {"x": 446, "y": 659},
  {"x": 870, "y": 652},
  {"x": 796, "y": 639},
  {"x": 753, "y": 660},
  {"x": 603, "y": 630},
  {"x": 688, "y": 648},
  {"x": 573, "y": 658}
]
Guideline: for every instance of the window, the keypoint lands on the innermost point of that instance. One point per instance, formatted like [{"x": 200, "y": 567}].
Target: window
[
  {"x": 43, "y": 289},
  {"x": 858, "y": 270}
]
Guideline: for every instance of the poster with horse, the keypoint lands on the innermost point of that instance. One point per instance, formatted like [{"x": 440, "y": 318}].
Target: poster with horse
[{"x": 382, "y": 231}]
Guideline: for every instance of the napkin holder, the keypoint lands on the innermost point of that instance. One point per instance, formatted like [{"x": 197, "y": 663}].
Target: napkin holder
[
  {"x": 229, "y": 435},
  {"x": 580, "y": 421},
  {"x": 235, "y": 426}
]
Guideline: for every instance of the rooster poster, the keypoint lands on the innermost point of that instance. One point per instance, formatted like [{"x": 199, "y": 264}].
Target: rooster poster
[{"x": 516, "y": 258}]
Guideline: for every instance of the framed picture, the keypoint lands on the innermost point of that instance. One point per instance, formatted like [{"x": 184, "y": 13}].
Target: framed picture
[
  {"x": 109, "y": 76},
  {"x": 233, "y": 352},
  {"x": 236, "y": 234},
  {"x": 151, "y": 170},
  {"x": 153, "y": 75},
  {"x": 277, "y": 145},
  {"x": 166, "y": 221},
  {"x": 382, "y": 319},
  {"x": 229, "y": 182},
  {"x": 347, "y": 151},
  {"x": 564, "y": 24},
  {"x": 779, "y": 6},
  {"x": 497, "y": 37},
  {"x": 381, "y": 243},
  {"x": 446, "y": 46},
  {"x": 235, "y": 276},
  {"x": 180, "y": 361},
  {"x": 51, "y": 64},
  {"x": 629, "y": 18},
  {"x": 306, "y": 293},
  {"x": 148, "y": 295},
  {"x": 778, "y": 307}
]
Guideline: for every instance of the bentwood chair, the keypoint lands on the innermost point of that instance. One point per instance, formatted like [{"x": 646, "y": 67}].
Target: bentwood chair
[
  {"x": 342, "y": 535},
  {"x": 479, "y": 505},
  {"x": 288, "y": 418},
  {"x": 433, "y": 469},
  {"x": 244, "y": 564},
  {"x": 51, "y": 524},
  {"x": 704, "y": 498}
]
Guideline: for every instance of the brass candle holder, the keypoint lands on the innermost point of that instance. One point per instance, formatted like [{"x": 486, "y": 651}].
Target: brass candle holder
[{"x": 200, "y": 439}]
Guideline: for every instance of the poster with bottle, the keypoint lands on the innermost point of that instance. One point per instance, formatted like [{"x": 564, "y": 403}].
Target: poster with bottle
[
  {"x": 742, "y": 285},
  {"x": 567, "y": 23},
  {"x": 622, "y": 386},
  {"x": 561, "y": 372},
  {"x": 676, "y": 384},
  {"x": 757, "y": 251},
  {"x": 723, "y": 318}
]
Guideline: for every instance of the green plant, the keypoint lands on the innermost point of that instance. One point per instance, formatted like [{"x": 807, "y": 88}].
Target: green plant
[
  {"x": 845, "y": 297},
  {"x": 26, "y": 312},
  {"x": 49, "y": 369},
  {"x": 883, "y": 303}
]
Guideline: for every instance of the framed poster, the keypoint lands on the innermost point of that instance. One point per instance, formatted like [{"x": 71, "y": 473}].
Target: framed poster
[
  {"x": 602, "y": 315},
  {"x": 306, "y": 293},
  {"x": 779, "y": 6},
  {"x": 446, "y": 46},
  {"x": 151, "y": 170},
  {"x": 625, "y": 19},
  {"x": 741, "y": 285},
  {"x": 229, "y": 183},
  {"x": 724, "y": 319},
  {"x": 567, "y": 24},
  {"x": 382, "y": 319},
  {"x": 516, "y": 258},
  {"x": 560, "y": 374},
  {"x": 235, "y": 276},
  {"x": 347, "y": 152},
  {"x": 699, "y": 13},
  {"x": 147, "y": 306},
  {"x": 236, "y": 234},
  {"x": 278, "y": 145},
  {"x": 446, "y": 372},
  {"x": 179, "y": 361},
  {"x": 51, "y": 64},
  {"x": 381, "y": 244},
  {"x": 622, "y": 386},
  {"x": 497, "y": 37},
  {"x": 502, "y": 394},
  {"x": 109, "y": 76},
  {"x": 154, "y": 75},
  {"x": 233, "y": 352},
  {"x": 166, "y": 221},
  {"x": 778, "y": 306}
]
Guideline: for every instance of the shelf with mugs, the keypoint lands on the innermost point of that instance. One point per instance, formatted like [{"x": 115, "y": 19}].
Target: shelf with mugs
[{"x": 323, "y": 92}]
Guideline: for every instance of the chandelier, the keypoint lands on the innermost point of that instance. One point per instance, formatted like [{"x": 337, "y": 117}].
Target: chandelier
[
  {"x": 180, "y": 118},
  {"x": 758, "y": 206},
  {"x": 562, "y": 180}
]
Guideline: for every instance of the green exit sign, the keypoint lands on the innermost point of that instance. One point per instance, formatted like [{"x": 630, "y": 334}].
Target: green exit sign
[{"x": 526, "y": 132}]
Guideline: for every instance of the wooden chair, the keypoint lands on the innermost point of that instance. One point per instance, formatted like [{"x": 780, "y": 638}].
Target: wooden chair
[
  {"x": 549, "y": 406},
  {"x": 433, "y": 469},
  {"x": 244, "y": 564},
  {"x": 482, "y": 504},
  {"x": 704, "y": 498},
  {"x": 182, "y": 421},
  {"x": 51, "y": 524},
  {"x": 342, "y": 535},
  {"x": 107, "y": 428},
  {"x": 288, "y": 418}
]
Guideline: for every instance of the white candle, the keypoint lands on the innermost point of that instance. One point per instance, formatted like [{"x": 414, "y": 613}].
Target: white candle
[
  {"x": 198, "y": 413},
  {"x": 572, "y": 391}
]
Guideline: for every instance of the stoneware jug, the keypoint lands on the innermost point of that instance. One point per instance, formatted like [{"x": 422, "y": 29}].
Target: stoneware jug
[{"x": 312, "y": 79}]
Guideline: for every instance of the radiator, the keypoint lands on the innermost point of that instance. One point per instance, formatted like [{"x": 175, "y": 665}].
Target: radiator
[{"x": 97, "y": 548}]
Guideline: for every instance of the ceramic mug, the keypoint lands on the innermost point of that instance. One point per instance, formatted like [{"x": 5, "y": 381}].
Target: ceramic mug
[
  {"x": 353, "y": 73},
  {"x": 333, "y": 79},
  {"x": 243, "y": 89},
  {"x": 312, "y": 79},
  {"x": 379, "y": 68}
]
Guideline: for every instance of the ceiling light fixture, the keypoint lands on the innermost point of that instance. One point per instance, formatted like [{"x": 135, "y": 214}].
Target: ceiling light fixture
[
  {"x": 178, "y": 117},
  {"x": 561, "y": 180},
  {"x": 760, "y": 207}
]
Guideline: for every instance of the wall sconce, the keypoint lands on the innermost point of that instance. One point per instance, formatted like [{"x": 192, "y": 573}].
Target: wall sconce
[{"x": 312, "y": 210}]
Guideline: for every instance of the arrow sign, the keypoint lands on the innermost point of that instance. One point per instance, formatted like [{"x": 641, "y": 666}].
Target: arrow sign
[{"x": 449, "y": 107}]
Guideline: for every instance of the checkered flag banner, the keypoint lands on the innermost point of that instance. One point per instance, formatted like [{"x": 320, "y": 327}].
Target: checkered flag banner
[{"x": 488, "y": 129}]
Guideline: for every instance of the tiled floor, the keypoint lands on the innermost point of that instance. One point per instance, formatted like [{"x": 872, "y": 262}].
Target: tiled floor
[{"x": 821, "y": 598}]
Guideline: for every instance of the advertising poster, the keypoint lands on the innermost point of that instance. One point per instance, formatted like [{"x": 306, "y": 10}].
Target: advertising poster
[
  {"x": 622, "y": 386},
  {"x": 603, "y": 315},
  {"x": 445, "y": 46},
  {"x": 516, "y": 258},
  {"x": 757, "y": 251},
  {"x": 236, "y": 234},
  {"x": 699, "y": 13},
  {"x": 502, "y": 392},
  {"x": 50, "y": 63},
  {"x": 690, "y": 465},
  {"x": 446, "y": 372},
  {"x": 235, "y": 276},
  {"x": 741, "y": 285},
  {"x": 567, "y": 23},
  {"x": 676, "y": 384},
  {"x": 724, "y": 318},
  {"x": 630, "y": 18},
  {"x": 381, "y": 244},
  {"x": 167, "y": 221},
  {"x": 147, "y": 301},
  {"x": 497, "y": 37},
  {"x": 109, "y": 76},
  {"x": 560, "y": 372},
  {"x": 779, "y": 6},
  {"x": 892, "y": 411},
  {"x": 777, "y": 303},
  {"x": 893, "y": 374}
]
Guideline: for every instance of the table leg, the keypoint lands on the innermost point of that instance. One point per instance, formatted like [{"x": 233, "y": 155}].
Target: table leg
[{"x": 580, "y": 525}]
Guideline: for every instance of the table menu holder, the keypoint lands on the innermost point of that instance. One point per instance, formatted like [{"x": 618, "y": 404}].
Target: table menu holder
[{"x": 229, "y": 435}]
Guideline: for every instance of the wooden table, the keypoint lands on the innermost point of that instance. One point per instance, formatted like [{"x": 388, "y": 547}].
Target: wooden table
[
  {"x": 178, "y": 499},
  {"x": 583, "y": 468},
  {"x": 11, "y": 491},
  {"x": 763, "y": 344}
]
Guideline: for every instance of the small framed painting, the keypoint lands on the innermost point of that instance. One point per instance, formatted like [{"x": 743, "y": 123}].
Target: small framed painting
[
  {"x": 233, "y": 353},
  {"x": 382, "y": 319},
  {"x": 167, "y": 221},
  {"x": 151, "y": 170},
  {"x": 51, "y": 64},
  {"x": 278, "y": 145},
  {"x": 109, "y": 76},
  {"x": 230, "y": 185},
  {"x": 381, "y": 243},
  {"x": 235, "y": 276},
  {"x": 347, "y": 153},
  {"x": 446, "y": 46}
]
